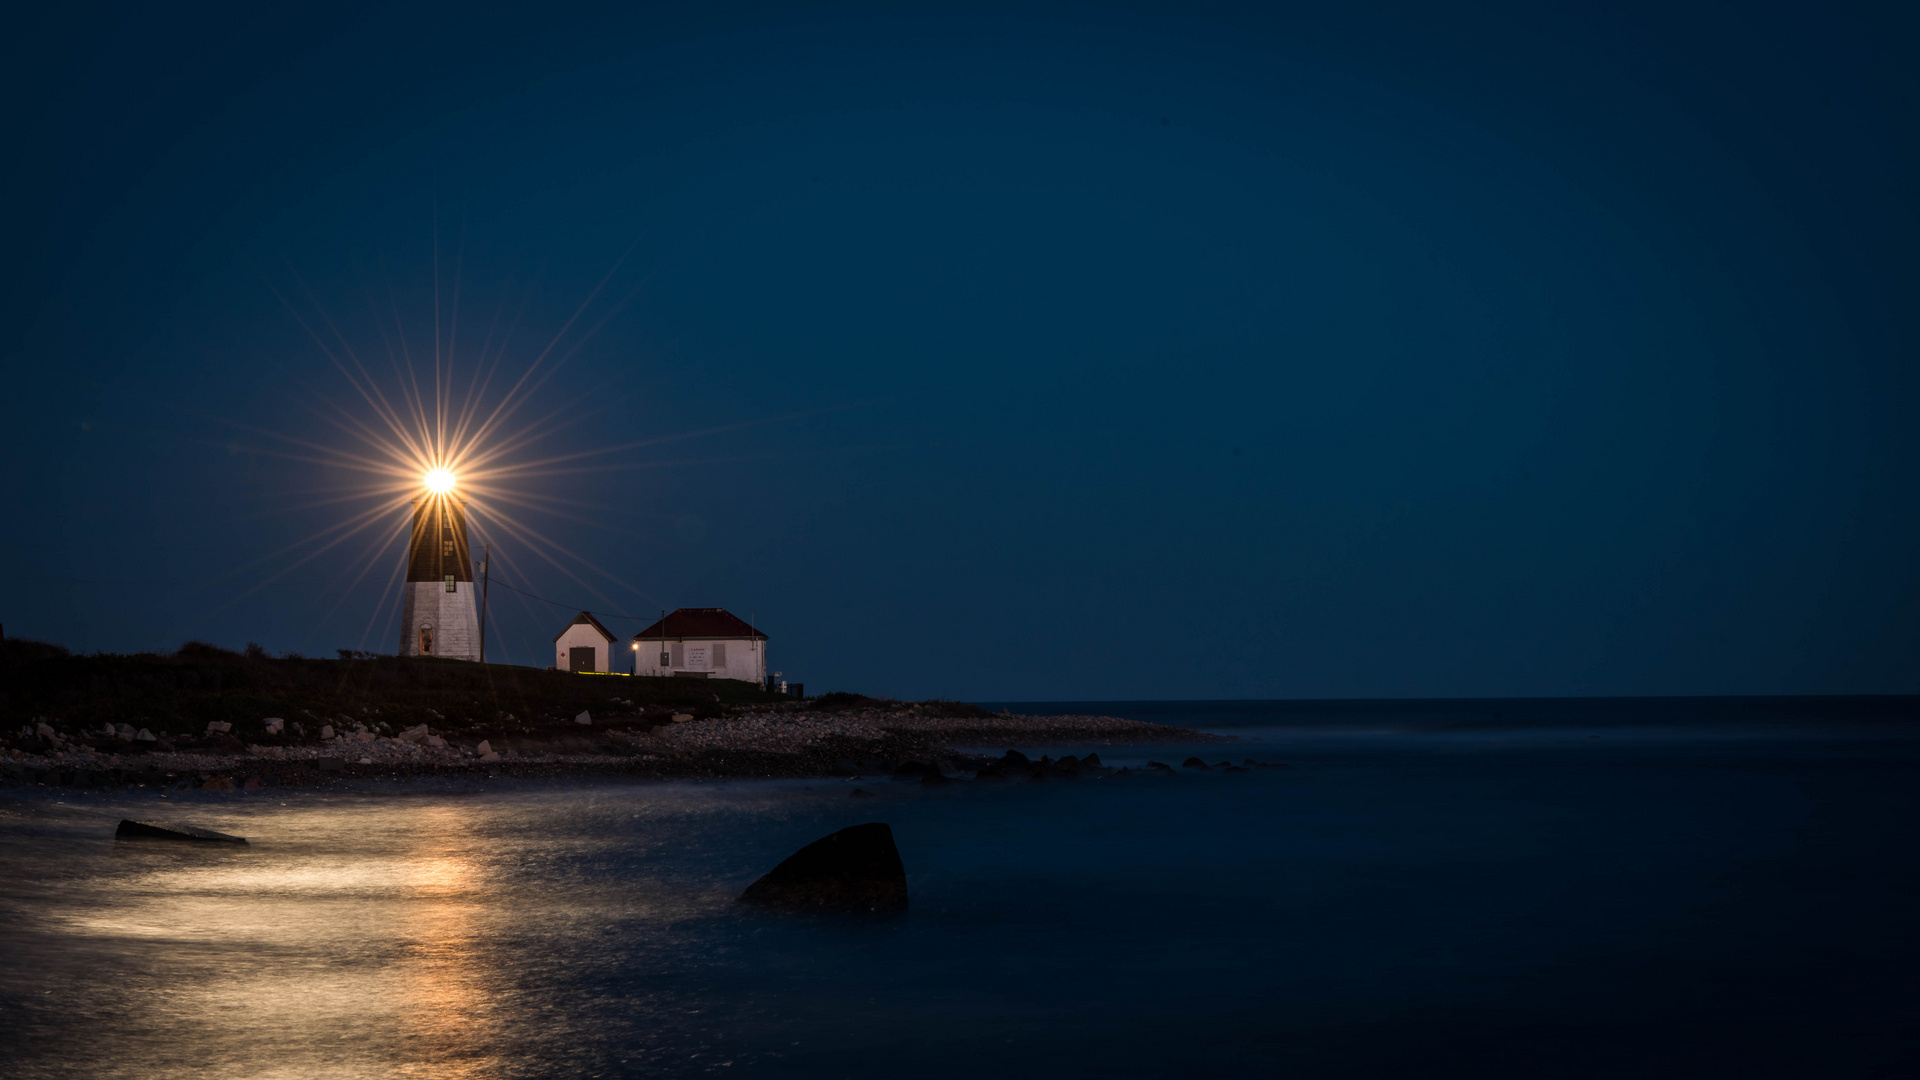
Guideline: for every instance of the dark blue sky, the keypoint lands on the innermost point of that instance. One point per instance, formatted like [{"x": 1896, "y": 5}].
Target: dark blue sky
[{"x": 1113, "y": 351}]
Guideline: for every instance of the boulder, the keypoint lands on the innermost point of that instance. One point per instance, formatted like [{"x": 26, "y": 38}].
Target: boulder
[
  {"x": 44, "y": 730},
  {"x": 220, "y": 726},
  {"x": 484, "y": 748},
  {"x": 436, "y": 742},
  {"x": 585, "y": 717},
  {"x": 1193, "y": 763},
  {"x": 162, "y": 830},
  {"x": 1161, "y": 765},
  {"x": 123, "y": 731},
  {"x": 856, "y": 870},
  {"x": 1092, "y": 761},
  {"x": 414, "y": 734},
  {"x": 275, "y": 724},
  {"x": 326, "y": 732},
  {"x": 489, "y": 756},
  {"x": 1015, "y": 757},
  {"x": 682, "y": 717},
  {"x": 143, "y": 735},
  {"x": 218, "y": 783}
]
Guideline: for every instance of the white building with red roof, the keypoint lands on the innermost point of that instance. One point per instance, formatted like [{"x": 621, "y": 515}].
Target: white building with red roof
[{"x": 702, "y": 643}]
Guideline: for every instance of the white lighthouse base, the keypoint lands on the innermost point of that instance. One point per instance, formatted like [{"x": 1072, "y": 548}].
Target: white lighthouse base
[{"x": 435, "y": 622}]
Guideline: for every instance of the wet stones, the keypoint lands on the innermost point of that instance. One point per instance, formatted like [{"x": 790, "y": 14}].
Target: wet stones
[{"x": 856, "y": 871}]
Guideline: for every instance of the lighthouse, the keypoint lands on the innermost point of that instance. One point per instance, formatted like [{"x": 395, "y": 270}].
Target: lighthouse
[{"x": 437, "y": 612}]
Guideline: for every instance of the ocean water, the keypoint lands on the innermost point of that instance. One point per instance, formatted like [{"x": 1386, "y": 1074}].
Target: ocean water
[{"x": 1505, "y": 889}]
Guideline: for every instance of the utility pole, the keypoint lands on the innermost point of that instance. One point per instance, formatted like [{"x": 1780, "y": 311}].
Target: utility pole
[{"x": 486, "y": 553}]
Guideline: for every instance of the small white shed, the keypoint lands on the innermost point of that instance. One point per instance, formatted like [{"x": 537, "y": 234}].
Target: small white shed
[
  {"x": 702, "y": 643},
  {"x": 584, "y": 645}
]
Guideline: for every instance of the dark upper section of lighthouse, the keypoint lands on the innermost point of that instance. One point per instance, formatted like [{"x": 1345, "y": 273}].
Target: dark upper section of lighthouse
[{"x": 439, "y": 541}]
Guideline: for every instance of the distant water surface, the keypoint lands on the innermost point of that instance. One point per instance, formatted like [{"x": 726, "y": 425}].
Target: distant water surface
[{"x": 1571, "y": 889}]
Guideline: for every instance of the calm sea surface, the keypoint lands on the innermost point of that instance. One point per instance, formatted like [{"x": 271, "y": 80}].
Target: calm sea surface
[{"x": 1490, "y": 889}]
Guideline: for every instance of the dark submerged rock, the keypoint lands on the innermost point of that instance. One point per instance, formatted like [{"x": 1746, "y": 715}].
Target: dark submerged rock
[
  {"x": 1160, "y": 765},
  {"x": 856, "y": 870},
  {"x": 861, "y": 793},
  {"x": 1193, "y": 763},
  {"x": 162, "y": 830}
]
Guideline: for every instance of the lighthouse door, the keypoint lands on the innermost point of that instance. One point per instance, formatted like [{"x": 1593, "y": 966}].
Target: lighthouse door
[{"x": 580, "y": 659}]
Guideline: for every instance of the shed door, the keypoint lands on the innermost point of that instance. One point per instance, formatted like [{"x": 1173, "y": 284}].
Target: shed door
[{"x": 580, "y": 658}]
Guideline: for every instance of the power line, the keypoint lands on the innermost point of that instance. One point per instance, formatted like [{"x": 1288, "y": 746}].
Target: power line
[{"x": 581, "y": 607}]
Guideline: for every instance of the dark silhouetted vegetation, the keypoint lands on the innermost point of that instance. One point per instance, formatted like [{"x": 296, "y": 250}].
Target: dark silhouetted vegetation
[{"x": 180, "y": 692}]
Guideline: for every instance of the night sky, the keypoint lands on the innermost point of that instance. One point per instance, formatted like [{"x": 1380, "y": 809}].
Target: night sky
[{"x": 1020, "y": 352}]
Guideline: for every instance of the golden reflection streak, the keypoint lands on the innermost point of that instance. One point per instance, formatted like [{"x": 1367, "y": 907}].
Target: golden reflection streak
[{"x": 444, "y": 995}]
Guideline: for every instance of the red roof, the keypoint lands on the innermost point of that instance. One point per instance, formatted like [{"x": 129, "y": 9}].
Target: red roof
[
  {"x": 586, "y": 618},
  {"x": 700, "y": 622}
]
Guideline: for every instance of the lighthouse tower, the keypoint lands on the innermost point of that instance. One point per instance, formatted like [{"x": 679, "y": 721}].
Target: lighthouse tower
[{"x": 437, "y": 613}]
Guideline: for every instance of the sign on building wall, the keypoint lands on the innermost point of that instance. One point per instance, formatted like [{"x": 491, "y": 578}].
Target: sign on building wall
[{"x": 697, "y": 658}]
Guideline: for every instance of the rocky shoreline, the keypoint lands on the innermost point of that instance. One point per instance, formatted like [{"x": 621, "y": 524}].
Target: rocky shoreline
[{"x": 770, "y": 743}]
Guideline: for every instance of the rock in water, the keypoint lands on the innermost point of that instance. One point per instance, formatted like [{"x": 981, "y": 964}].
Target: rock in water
[
  {"x": 161, "y": 830},
  {"x": 856, "y": 870}
]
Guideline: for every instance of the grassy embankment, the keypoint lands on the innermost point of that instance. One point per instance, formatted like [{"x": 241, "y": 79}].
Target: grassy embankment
[{"x": 176, "y": 695}]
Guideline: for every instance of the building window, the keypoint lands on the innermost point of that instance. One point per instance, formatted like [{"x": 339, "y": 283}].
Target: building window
[
  {"x": 426, "y": 641},
  {"x": 719, "y": 656},
  {"x": 449, "y": 582}
]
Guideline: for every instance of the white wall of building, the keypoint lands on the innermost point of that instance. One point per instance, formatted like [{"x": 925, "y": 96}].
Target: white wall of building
[
  {"x": 580, "y": 636},
  {"x": 451, "y": 617},
  {"x": 720, "y": 658}
]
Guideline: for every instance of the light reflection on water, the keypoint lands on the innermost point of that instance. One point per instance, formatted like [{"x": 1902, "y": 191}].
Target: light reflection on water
[{"x": 1383, "y": 904}]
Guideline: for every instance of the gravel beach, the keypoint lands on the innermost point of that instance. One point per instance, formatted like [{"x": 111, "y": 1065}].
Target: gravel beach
[{"x": 771, "y": 743}]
